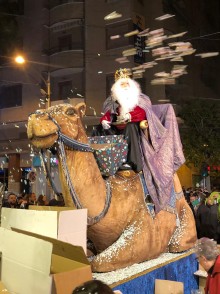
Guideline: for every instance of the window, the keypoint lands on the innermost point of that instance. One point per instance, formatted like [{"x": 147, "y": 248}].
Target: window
[
  {"x": 65, "y": 89},
  {"x": 66, "y": 86},
  {"x": 16, "y": 7},
  {"x": 10, "y": 96},
  {"x": 65, "y": 43},
  {"x": 119, "y": 29}
]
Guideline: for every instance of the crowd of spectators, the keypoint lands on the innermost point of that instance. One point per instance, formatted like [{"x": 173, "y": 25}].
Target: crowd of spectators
[
  {"x": 205, "y": 207},
  {"x": 25, "y": 200},
  {"x": 206, "y": 210}
]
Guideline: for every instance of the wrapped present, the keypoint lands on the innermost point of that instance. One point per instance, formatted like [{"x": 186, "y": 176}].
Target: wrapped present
[{"x": 110, "y": 152}]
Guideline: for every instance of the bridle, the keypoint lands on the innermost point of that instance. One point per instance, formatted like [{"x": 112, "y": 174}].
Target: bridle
[{"x": 63, "y": 141}]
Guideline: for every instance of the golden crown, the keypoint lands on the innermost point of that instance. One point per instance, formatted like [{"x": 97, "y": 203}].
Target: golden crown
[{"x": 122, "y": 73}]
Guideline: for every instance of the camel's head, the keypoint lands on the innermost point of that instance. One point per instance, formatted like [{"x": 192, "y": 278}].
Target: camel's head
[{"x": 43, "y": 125}]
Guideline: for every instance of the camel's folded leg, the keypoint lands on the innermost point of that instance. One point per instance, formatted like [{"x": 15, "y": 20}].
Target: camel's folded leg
[
  {"x": 185, "y": 234},
  {"x": 141, "y": 241},
  {"x": 120, "y": 254}
]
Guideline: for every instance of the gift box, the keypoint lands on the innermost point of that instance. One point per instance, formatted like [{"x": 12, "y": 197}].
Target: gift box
[
  {"x": 110, "y": 152},
  {"x": 50, "y": 221},
  {"x": 33, "y": 263}
]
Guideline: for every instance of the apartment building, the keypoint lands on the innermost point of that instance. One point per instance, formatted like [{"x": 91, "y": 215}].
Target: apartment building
[
  {"x": 69, "y": 53},
  {"x": 72, "y": 51}
]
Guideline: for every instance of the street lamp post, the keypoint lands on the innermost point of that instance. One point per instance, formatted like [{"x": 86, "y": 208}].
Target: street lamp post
[
  {"x": 48, "y": 90},
  {"x": 21, "y": 60}
]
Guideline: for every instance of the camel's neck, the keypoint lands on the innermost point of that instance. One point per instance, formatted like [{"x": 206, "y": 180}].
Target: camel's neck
[{"x": 86, "y": 179}]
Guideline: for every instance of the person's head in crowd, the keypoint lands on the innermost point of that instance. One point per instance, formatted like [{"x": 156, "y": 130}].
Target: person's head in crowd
[
  {"x": 19, "y": 200},
  {"x": 195, "y": 194},
  {"x": 32, "y": 198},
  {"x": 42, "y": 200},
  {"x": 53, "y": 202},
  {"x": 206, "y": 251},
  {"x": 214, "y": 198},
  {"x": 192, "y": 197},
  {"x": 12, "y": 199},
  {"x": 203, "y": 197},
  {"x": 207, "y": 194},
  {"x": 60, "y": 199},
  {"x": 94, "y": 287}
]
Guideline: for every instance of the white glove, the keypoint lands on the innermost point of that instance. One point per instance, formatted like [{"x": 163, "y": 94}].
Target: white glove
[
  {"x": 124, "y": 117},
  {"x": 106, "y": 124}
]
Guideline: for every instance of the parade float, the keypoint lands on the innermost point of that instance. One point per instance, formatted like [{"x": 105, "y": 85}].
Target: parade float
[{"x": 120, "y": 225}]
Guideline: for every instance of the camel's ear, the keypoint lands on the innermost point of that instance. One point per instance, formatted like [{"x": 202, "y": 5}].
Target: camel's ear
[{"x": 81, "y": 109}]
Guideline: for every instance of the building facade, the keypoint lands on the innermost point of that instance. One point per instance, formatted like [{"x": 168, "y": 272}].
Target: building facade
[{"x": 72, "y": 52}]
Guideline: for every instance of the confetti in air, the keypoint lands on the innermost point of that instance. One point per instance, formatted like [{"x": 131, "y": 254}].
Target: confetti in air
[
  {"x": 135, "y": 32},
  {"x": 176, "y": 35},
  {"x": 129, "y": 52},
  {"x": 143, "y": 33},
  {"x": 207, "y": 54},
  {"x": 122, "y": 60},
  {"x": 115, "y": 37},
  {"x": 165, "y": 16},
  {"x": 112, "y": 15},
  {"x": 94, "y": 111}
]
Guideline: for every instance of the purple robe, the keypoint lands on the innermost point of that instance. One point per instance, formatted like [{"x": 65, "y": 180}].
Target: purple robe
[{"x": 162, "y": 155}]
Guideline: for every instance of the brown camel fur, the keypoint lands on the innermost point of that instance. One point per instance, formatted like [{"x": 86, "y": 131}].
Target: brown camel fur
[{"x": 127, "y": 234}]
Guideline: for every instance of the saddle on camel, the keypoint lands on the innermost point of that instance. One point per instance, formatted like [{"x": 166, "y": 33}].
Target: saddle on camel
[{"x": 120, "y": 225}]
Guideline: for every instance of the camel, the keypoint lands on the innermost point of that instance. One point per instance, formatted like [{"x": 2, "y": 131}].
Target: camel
[{"x": 121, "y": 227}]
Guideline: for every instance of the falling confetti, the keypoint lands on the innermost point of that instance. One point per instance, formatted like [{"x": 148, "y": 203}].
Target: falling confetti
[
  {"x": 115, "y": 37},
  {"x": 129, "y": 52},
  {"x": 122, "y": 59},
  {"x": 176, "y": 35},
  {"x": 112, "y": 15},
  {"x": 163, "y": 81},
  {"x": 143, "y": 33},
  {"x": 135, "y": 32},
  {"x": 162, "y": 74},
  {"x": 208, "y": 54},
  {"x": 149, "y": 64},
  {"x": 165, "y": 16}
]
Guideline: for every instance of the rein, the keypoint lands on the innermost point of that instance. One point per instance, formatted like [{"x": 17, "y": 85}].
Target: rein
[{"x": 75, "y": 145}]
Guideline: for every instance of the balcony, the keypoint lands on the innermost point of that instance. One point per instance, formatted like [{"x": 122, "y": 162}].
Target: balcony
[
  {"x": 70, "y": 58},
  {"x": 68, "y": 10},
  {"x": 54, "y": 3}
]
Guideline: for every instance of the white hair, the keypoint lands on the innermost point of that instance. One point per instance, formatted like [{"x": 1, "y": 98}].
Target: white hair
[
  {"x": 207, "y": 247},
  {"x": 127, "y": 97}
]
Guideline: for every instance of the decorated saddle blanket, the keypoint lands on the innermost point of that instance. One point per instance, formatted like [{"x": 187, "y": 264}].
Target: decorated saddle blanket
[{"x": 110, "y": 152}]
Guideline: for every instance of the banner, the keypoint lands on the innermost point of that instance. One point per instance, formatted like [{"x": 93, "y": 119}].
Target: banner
[{"x": 139, "y": 44}]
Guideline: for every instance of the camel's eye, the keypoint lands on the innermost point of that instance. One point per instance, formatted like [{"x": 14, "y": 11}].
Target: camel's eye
[{"x": 71, "y": 111}]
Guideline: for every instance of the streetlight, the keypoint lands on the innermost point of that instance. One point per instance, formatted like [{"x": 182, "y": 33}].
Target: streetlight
[{"x": 21, "y": 60}]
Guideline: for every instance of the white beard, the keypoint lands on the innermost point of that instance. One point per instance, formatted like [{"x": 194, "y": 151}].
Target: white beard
[{"x": 126, "y": 97}]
